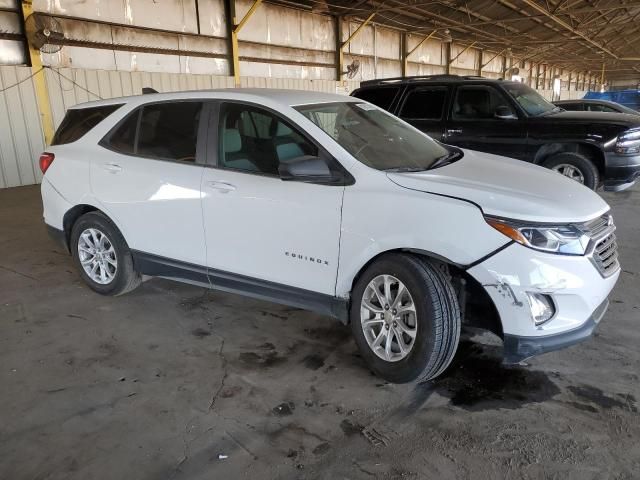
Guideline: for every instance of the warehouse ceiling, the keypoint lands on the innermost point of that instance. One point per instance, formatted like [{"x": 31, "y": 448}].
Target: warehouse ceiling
[{"x": 573, "y": 34}]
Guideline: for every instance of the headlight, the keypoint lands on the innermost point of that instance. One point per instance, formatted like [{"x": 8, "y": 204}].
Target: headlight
[
  {"x": 563, "y": 239},
  {"x": 629, "y": 142}
]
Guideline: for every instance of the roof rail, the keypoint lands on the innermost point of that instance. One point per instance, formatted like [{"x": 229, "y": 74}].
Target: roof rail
[
  {"x": 148, "y": 90},
  {"x": 418, "y": 78}
]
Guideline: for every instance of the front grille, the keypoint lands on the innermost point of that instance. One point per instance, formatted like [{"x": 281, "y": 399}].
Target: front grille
[
  {"x": 605, "y": 255},
  {"x": 596, "y": 226}
]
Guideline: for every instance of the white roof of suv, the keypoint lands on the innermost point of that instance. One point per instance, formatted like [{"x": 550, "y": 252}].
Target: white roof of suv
[{"x": 284, "y": 97}]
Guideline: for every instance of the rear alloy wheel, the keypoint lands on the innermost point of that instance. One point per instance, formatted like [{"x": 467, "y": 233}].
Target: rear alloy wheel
[
  {"x": 405, "y": 318},
  {"x": 102, "y": 256},
  {"x": 97, "y": 256},
  {"x": 575, "y": 166}
]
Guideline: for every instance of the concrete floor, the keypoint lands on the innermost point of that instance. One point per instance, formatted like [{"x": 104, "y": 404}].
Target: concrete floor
[{"x": 159, "y": 383}]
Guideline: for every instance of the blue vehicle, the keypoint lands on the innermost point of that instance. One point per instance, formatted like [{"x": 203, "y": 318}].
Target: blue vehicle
[{"x": 628, "y": 98}]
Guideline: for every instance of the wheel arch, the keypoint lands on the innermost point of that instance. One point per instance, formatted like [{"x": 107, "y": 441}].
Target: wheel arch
[
  {"x": 72, "y": 215},
  {"x": 475, "y": 302},
  {"x": 592, "y": 151}
]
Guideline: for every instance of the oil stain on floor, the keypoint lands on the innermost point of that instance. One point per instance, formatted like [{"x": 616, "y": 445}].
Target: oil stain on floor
[{"x": 477, "y": 380}]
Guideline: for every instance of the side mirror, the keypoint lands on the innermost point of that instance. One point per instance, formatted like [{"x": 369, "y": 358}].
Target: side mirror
[
  {"x": 505, "y": 113},
  {"x": 308, "y": 169}
]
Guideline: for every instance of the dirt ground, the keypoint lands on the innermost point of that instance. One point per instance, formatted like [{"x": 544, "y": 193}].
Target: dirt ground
[{"x": 176, "y": 382}]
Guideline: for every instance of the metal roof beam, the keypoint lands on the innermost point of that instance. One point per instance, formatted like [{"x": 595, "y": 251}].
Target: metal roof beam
[{"x": 568, "y": 27}]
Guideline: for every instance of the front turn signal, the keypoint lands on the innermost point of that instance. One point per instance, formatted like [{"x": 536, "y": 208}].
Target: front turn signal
[{"x": 508, "y": 230}]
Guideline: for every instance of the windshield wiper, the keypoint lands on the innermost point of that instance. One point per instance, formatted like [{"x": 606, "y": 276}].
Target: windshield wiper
[{"x": 450, "y": 157}]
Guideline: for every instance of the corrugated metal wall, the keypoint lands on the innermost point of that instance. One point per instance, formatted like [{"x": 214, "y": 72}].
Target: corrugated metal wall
[{"x": 21, "y": 139}]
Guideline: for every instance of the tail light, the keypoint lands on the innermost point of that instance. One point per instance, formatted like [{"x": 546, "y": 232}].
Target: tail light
[{"x": 46, "y": 159}]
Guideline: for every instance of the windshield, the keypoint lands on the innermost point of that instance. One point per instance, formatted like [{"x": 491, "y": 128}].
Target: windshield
[
  {"x": 376, "y": 138},
  {"x": 530, "y": 100}
]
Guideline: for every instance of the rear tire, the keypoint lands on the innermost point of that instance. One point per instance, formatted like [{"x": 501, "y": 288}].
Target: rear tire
[
  {"x": 102, "y": 256},
  {"x": 576, "y": 166},
  {"x": 429, "y": 332}
]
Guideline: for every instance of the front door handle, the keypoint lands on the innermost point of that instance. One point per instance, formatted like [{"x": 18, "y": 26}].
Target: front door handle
[
  {"x": 112, "y": 167},
  {"x": 453, "y": 131},
  {"x": 222, "y": 187}
]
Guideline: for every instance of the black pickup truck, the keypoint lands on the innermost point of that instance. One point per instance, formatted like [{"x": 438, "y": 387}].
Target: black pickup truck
[{"x": 511, "y": 119}]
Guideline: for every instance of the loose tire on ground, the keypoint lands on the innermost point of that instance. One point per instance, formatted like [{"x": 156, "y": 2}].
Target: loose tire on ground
[
  {"x": 437, "y": 318},
  {"x": 586, "y": 167},
  {"x": 125, "y": 278}
]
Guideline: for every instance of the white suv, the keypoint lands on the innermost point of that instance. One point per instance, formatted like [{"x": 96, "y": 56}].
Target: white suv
[{"x": 330, "y": 204}]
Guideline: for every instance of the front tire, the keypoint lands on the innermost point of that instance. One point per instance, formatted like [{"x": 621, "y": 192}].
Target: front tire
[
  {"x": 405, "y": 318},
  {"x": 102, "y": 256},
  {"x": 575, "y": 166}
]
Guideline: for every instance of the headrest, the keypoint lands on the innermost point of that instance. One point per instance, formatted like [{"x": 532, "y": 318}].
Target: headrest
[
  {"x": 232, "y": 140},
  {"x": 282, "y": 130}
]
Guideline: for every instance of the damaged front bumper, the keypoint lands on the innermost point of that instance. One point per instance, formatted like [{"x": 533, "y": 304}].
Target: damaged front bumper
[{"x": 578, "y": 290}]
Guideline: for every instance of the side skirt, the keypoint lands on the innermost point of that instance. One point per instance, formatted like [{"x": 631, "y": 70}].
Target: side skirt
[{"x": 157, "y": 266}]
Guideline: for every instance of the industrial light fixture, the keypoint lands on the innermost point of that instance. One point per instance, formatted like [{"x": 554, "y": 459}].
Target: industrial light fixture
[{"x": 446, "y": 36}]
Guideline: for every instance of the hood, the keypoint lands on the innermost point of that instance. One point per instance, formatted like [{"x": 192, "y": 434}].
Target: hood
[
  {"x": 623, "y": 119},
  {"x": 508, "y": 188}
]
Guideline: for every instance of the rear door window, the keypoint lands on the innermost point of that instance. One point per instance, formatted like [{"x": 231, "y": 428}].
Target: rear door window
[
  {"x": 78, "y": 121},
  {"x": 381, "y": 97},
  {"x": 123, "y": 138},
  {"x": 166, "y": 131},
  {"x": 424, "y": 103},
  {"x": 169, "y": 131}
]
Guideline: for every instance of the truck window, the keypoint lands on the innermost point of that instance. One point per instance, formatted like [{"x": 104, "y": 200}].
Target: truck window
[
  {"x": 477, "y": 103},
  {"x": 381, "y": 97},
  {"x": 424, "y": 103}
]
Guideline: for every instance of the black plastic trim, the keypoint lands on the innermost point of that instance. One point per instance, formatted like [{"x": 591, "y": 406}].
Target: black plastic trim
[
  {"x": 489, "y": 255},
  {"x": 517, "y": 348},
  {"x": 158, "y": 266},
  {"x": 58, "y": 236}
]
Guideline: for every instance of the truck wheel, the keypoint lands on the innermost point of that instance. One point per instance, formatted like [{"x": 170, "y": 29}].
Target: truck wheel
[
  {"x": 405, "y": 318},
  {"x": 575, "y": 166},
  {"x": 102, "y": 256}
]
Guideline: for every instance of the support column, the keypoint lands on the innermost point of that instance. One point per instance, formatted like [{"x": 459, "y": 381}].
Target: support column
[
  {"x": 39, "y": 80},
  {"x": 447, "y": 58},
  {"x": 232, "y": 46},
  {"x": 339, "y": 52},
  {"x": 340, "y": 44},
  {"x": 479, "y": 69},
  {"x": 234, "y": 28},
  {"x": 403, "y": 54}
]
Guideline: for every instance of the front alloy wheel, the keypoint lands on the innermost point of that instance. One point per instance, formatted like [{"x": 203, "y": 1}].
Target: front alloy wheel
[
  {"x": 97, "y": 256},
  {"x": 405, "y": 317},
  {"x": 388, "y": 318}
]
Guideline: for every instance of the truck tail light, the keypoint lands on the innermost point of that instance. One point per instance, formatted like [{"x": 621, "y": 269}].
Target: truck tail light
[{"x": 46, "y": 159}]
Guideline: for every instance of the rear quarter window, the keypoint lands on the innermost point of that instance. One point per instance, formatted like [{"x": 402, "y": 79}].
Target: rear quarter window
[{"x": 78, "y": 121}]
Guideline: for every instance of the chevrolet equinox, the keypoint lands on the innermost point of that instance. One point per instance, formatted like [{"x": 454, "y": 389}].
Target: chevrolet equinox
[{"x": 329, "y": 203}]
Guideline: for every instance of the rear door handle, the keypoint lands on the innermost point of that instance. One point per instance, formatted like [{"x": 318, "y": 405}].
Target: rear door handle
[
  {"x": 452, "y": 131},
  {"x": 222, "y": 187},
  {"x": 112, "y": 167}
]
